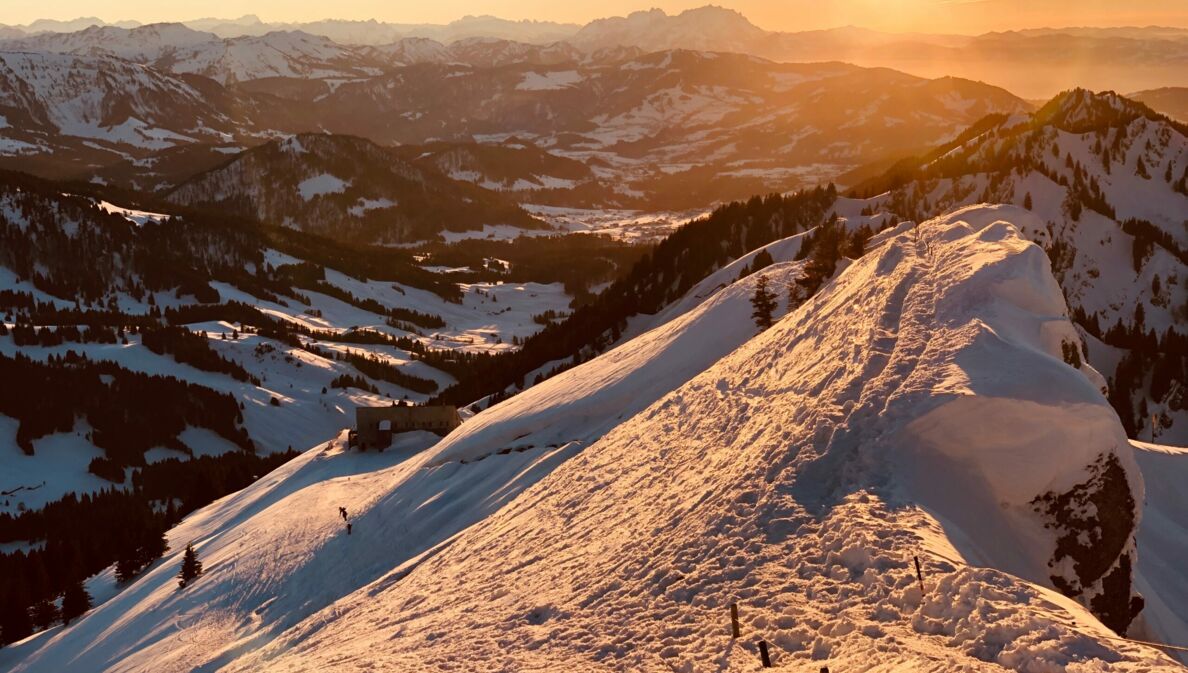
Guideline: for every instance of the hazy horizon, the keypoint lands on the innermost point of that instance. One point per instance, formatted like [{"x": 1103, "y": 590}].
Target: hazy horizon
[{"x": 927, "y": 16}]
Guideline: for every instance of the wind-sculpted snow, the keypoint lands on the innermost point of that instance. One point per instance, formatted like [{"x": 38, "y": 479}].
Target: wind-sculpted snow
[{"x": 796, "y": 473}]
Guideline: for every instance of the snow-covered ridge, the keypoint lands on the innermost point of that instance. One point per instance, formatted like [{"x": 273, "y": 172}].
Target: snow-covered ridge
[
  {"x": 1106, "y": 181},
  {"x": 791, "y": 477},
  {"x": 797, "y": 476}
]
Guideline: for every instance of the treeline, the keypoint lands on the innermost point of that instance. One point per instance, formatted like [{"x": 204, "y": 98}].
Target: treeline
[
  {"x": 128, "y": 412},
  {"x": 666, "y": 273},
  {"x": 1146, "y": 237},
  {"x": 192, "y": 349},
  {"x": 24, "y": 334},
  {"x": 183, "y": 345},
  {"x": 80, "y": 535},
  {"x": 376, "y": 368},
  {"x": 347, "y": 381}
]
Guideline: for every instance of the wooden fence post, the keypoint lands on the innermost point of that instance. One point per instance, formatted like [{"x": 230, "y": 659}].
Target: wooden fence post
[
  {"x": 734, "y": 631},
  {"x": 919, "y": 575},
  {"x": 763, "y": 654}
]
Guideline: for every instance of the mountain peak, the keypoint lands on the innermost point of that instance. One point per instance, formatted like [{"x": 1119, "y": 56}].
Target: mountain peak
[
  {"x": 1080, "y": 110},
  {"x": 709, "y": 28}
]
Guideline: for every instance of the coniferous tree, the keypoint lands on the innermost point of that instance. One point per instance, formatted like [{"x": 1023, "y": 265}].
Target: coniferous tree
[
  {"x": 75, "y": 602},
  {"x": 191, "y": 567},
  {"x": 763, "y": 304},
  {"x": 855, "y": 244},
  {"x": 1027, "y": 201},
  {"x": 762, "y": 260},
  {"x": 15, "y": 623},
  {"x": 126, "y": 569},
  {"x": 45, "y": 613}
]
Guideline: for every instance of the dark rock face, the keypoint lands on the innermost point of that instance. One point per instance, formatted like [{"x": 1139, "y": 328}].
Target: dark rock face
[{"x": 1095, "y": 524}]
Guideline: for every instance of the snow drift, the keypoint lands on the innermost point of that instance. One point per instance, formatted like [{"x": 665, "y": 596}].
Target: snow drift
[{"x": 796, "y": 476}]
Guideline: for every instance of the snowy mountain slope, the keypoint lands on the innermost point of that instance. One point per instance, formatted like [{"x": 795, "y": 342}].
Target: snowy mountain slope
[
  {"x": 278, "y": 54},
  {"x": 421, "y": 504},
  {"x": 140, "y": 270},
  {"x": 1162, "y": 540},
  {"x": 142, "y": 44},
  {"x": 293, "y": 376},
  {"x": 174, "y": 48},
  {"x": 754, "y": 482},
  {"x": 581, "y": 404},
  {"x": 797, "y": 476},
  {"x": 348, "y": 188},
  {"x": 309, "y": 489},
  {"x": 104, "y": 104},
  {"x": 1106, "y": 180},
  {"x": 783, "y": 252}
]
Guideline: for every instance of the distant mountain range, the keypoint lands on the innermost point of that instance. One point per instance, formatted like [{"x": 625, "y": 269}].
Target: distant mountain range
[
  {"x": 370, "y": 32},
  {"x": 148, "y": 108},
  {"x": 1034, "y": 63},
  {"x": 1171, "y": 101}
]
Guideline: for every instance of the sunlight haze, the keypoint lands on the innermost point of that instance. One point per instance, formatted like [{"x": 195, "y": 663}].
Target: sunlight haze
[{"x": 953, "y": 16}]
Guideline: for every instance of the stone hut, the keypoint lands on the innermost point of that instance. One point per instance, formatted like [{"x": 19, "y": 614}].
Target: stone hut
[{"x": 374, "y": 426}]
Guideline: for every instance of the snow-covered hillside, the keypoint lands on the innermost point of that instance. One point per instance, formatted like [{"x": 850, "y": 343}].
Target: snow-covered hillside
[
  {"x": 346, "y": 188},
  {"x": 797, "y": 476},
  {"x": 49, "y": 99}
]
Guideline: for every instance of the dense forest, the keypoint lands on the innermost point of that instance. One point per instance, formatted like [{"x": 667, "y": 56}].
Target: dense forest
[{"x": 128, "y": 412}]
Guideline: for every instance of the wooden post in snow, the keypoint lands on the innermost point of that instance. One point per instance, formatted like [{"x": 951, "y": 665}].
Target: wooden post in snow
[
  {"x": 919, "y": 575},
  {"x": 734, "y": 631},
  {"x": 763, "y": 654}
]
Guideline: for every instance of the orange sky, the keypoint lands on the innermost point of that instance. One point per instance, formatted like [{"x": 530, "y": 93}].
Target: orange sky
[{"x": 957, "y": 16}]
